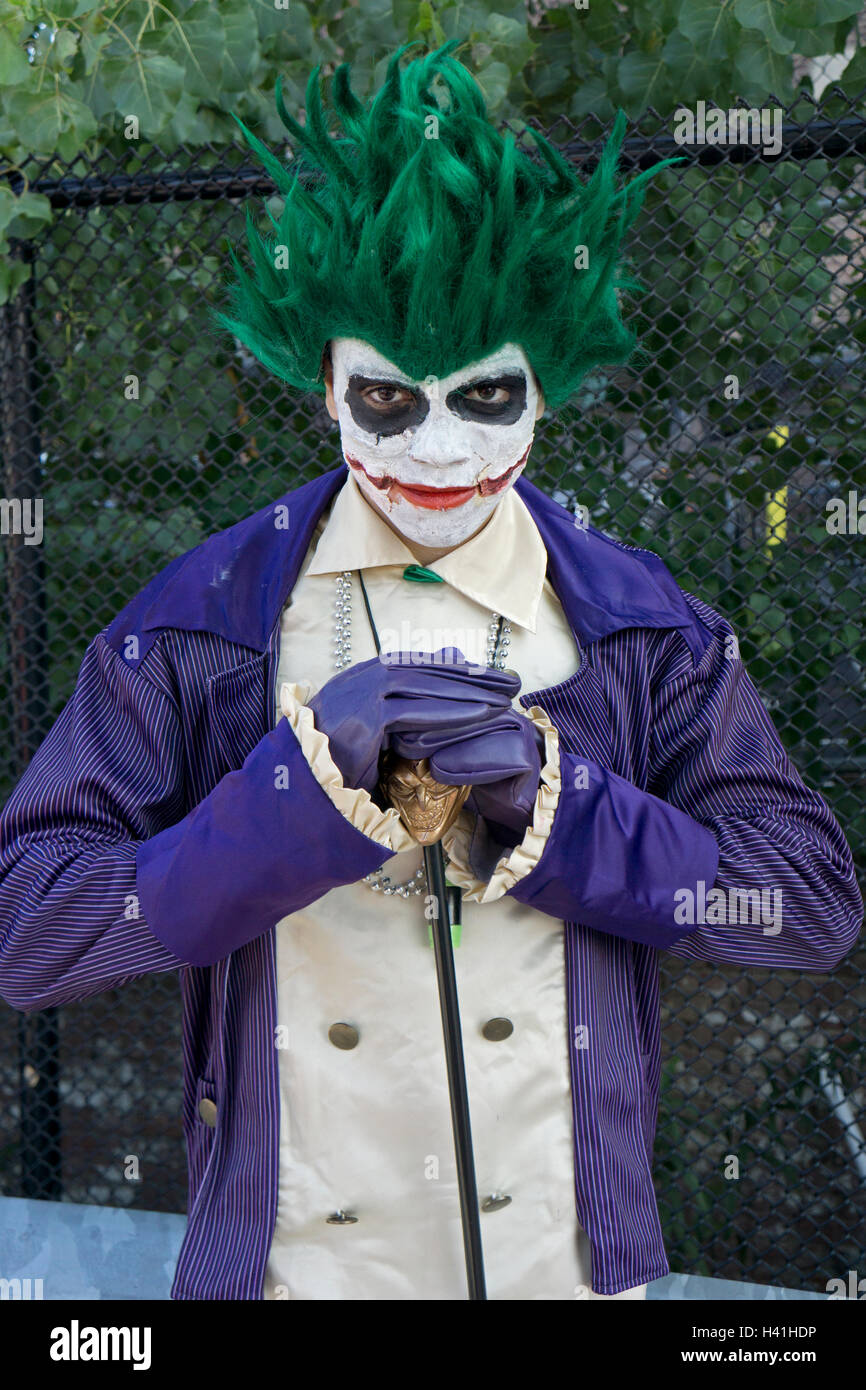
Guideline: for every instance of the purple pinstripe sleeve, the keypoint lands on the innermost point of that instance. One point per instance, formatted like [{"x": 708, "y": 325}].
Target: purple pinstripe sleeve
[
  {"x": 105, "y": 777},
  {"x": 102, "y": 876},
  {"x": 725, "y": 855},
  {"x": 786, "y": 892}
]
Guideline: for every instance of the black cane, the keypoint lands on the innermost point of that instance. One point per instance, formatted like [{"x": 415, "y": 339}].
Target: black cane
[{"x": 434, "y": 865}]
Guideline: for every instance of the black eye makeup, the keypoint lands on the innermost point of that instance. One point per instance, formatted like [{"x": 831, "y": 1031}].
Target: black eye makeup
[
  {"x": 385, "y": 407},
  {"x": 499, "y": 400}
]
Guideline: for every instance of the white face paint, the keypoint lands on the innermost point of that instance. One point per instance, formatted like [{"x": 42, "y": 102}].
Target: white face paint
[{"x": 435, "y": 456}]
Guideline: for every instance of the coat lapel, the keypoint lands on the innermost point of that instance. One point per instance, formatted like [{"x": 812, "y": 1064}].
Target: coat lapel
[
  {"x": 603, "y": 585},
  {"x": 235, "y": 583}
]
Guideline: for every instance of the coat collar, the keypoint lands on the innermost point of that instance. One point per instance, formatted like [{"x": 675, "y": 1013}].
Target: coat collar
[{"x": 235, "y": 583}]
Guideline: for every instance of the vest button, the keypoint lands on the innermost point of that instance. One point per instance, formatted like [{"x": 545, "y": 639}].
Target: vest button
[
  {"x": 495, "y": 1201},
  {"x": 495, "y": 1029},
  {"x": 343, "y": 1035},
  {"x": 207, "y": 1111}
]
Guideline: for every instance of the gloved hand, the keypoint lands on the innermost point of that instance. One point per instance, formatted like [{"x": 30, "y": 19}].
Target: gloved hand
[
  {"x": 427, "y": 697},
  {"x": 500, "y": 760}
]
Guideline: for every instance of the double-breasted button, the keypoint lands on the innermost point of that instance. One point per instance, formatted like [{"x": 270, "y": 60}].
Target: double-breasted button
[
  {"x": 495, "y": 1201},
  {"x": 207, "y": 1111},
  {"x": 340, "y": 1218},
  {"x": 495, "y": 1029},
  {"x": 344, "y": 1035}
]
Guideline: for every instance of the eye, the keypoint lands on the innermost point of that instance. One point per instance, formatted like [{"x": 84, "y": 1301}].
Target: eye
[
  {"x": 488, "y": 392},
  {"x": 499, "y": 400},
  {"x": 386, "y": 396}
]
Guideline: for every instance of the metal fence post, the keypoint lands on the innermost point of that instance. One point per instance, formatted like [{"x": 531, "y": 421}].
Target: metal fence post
[{"x": 38, "y": 1034}]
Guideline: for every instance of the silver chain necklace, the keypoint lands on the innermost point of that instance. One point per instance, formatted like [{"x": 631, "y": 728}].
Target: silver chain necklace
[{"x": 498, "y": 642}]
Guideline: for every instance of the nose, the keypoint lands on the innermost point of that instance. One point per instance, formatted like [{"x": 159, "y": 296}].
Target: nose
[{"x": 439, "y": 441}]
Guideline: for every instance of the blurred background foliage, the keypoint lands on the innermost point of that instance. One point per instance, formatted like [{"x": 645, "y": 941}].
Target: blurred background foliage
[{"x": 72, "y": 72}]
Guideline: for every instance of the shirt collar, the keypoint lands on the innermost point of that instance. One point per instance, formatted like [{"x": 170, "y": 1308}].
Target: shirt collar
[
  {"x": 502, "y": 567},
  {"x": 235, "y": 583}
]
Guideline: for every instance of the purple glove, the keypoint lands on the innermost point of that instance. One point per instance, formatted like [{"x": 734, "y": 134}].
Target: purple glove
[
  {"x": 501, "y": 762},
  {"x": 435, "y": 697}
]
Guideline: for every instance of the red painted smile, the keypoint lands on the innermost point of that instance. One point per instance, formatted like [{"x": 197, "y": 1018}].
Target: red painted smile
[{"x": 438, "y": 499}]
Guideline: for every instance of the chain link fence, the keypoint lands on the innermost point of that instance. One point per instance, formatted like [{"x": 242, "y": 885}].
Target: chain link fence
[{"x": 733, "y": 446}]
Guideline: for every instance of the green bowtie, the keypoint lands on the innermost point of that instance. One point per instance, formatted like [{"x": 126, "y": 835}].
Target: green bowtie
[{"x": 420, "y": 575}]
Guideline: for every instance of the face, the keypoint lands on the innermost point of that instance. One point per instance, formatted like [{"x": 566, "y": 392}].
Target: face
[
  {"x": 435, "y": 456},
  {"x": 426, "y": 807}
]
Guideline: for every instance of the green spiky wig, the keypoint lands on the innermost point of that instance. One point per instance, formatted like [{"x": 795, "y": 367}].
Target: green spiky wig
[{"x": 425, "y": 232}]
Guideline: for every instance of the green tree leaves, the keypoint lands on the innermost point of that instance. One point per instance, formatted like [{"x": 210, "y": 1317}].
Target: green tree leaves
[
  {"x": 147, "y": 87},
  {"x": 14, "y": 64},
  {"x": 56, "y": 119},
  {"x": 150, "y": 58}
]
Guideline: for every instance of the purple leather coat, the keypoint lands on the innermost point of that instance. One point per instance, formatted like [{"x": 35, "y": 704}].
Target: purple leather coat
[{"x": 149, "y": 834}]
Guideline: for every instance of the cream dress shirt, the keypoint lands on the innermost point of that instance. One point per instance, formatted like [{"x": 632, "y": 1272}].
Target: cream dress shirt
[{"x": 367, "y": 1131}]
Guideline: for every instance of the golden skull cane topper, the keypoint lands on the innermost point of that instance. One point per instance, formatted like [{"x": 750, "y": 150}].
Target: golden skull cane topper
[{"x": 426, "y": 807}]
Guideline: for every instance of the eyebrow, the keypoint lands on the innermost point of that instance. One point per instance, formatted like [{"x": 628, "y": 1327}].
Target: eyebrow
[
  {"x": 505, "y": 374},
  {"x": 384, "y": 377},
  {"x": 499, "y": 375}
]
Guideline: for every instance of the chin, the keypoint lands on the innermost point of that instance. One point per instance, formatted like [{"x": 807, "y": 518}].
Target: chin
[
  {"x": 434, "y": 528},
  {"x": 437, "y": 515}
]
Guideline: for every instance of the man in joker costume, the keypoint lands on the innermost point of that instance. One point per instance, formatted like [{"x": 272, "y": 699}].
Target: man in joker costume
[{"x": 208, "y": 801}]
